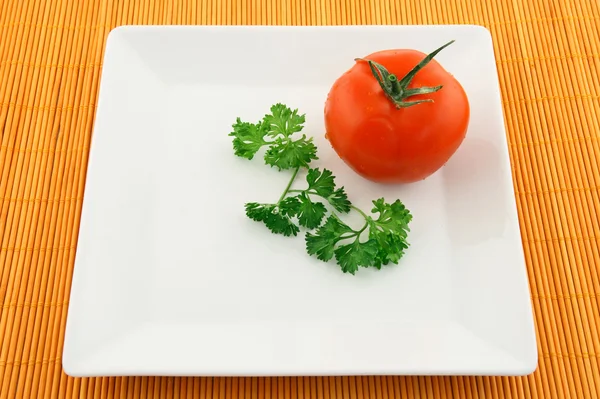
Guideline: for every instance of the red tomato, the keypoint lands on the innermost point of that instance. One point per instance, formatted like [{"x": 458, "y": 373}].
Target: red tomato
[{"x": 386, "y": 128}]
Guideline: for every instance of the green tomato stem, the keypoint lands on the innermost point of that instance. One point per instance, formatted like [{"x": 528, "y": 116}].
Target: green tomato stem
[
  {"x": 395, "y": 88},
  {"x": 397, "y": 91}
]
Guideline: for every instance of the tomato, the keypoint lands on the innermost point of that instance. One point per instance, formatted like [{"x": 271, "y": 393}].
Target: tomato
[{"x": 388, "y": 118}]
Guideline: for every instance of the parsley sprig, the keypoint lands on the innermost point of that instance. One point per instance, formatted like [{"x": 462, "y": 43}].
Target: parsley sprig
[
  {"x": 381, "y": 239},
  {"x": 275, "y": 131}
]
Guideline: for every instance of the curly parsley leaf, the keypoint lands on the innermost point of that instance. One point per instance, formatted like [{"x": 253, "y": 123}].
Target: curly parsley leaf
[
  {"x": 356, "y": 254},
  {"x": 325, "y": 244},
  {"x": 248, "y": 138},
  {"x": 389, "y": 230},
  {"x": 390, "y": 247},
  {"x": 339, "y": 200},
  {"x": 322, "y": 183},
  {"x": 310, "y": 214},
  {"x": 284, "y": 121},
  {"x": 290, "y": 206},
  {"x": 275, "y": 220},
  {"x": 392, "y": 218},
  {"x": 275, "y": 131},
  {"x": 285, "y": 153},
  {"x": 322, "y": 243},
  {"x": 386, "y": 242}
]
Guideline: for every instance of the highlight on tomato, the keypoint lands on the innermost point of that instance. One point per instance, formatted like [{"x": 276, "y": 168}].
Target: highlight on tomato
[{"x": 396, "y": 116}]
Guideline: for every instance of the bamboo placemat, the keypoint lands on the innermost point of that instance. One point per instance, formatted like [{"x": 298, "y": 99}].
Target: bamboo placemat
[{"x": 50, "y": 61}]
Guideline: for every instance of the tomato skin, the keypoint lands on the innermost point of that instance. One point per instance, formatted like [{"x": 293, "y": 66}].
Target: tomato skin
[{"x": 389, "y": 145}]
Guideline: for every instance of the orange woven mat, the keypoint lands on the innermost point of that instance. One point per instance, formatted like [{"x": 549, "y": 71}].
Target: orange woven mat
[{"x": 50, "y": 61}]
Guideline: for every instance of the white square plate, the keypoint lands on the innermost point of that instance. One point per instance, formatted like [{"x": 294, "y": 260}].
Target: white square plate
[{"x": 171, "y": 278}]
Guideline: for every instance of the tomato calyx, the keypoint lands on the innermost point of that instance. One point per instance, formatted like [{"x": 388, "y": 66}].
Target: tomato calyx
[{"x": 397, "y": 90}]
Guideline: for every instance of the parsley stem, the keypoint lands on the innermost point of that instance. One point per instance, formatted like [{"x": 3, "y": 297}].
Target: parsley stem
[
  {"x": 287, "y": 189},
  {"x": 360, "y": 211},
  {"x": 355, "y": 233},
  {"x": 364, "y": 215}
]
